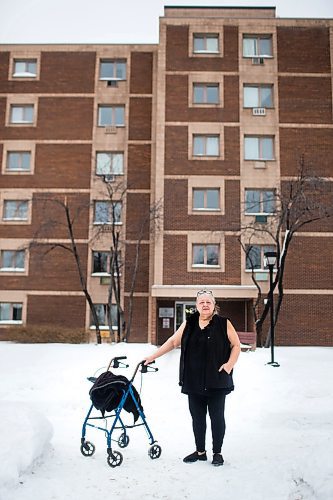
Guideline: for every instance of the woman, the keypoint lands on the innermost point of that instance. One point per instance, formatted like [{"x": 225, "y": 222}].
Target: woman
[{"x": 209, "y": 350}]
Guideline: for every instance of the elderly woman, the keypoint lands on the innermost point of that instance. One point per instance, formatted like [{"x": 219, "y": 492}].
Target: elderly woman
[{"x": 209, "y": 350}]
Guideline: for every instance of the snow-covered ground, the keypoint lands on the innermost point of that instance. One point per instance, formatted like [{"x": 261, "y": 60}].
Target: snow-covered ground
[{"x": 278, "y": 444}]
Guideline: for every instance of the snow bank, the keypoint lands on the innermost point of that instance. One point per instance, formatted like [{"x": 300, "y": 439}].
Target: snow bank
[{"x": 24, "y": 435}]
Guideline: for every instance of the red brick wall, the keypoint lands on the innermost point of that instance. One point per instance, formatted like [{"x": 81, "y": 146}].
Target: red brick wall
[
  {"x": 139, "y": 330},
  {"x": 137, "y": 212},
  {"x": 141, "y": 72},
  {"x": 68, "y": 118},
  {"x": 55, "y": 270},
  {"x": 316, "y": 146},
  {"x": 175, "y": 263},
  {"x": 177, "y": 55},
  {"x": 64, "y": 311},
  {"x": 305, "y": 320},
  {"x": 303, "y": 49},
  {"x": 177, "y": 108},
  {"x": 176, "y": 154},
  {"x": 138, "y": 166},
  {"x": 140, "y": 118},
  {"x": 317, "y": 206},
  {"x": 310, "y": 263},
  {"x": 305, "y": 100},
  {"x": 142, "y": 276},
  {"x": 60, "y": 72},
  {"x": 177, "y": 218},
  {"x": 48, "y": 216},
  {"x": 56, "y": 166}
]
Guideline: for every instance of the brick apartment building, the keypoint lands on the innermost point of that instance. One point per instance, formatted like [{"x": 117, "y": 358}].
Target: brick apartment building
[{"x": 210, "y": 120}]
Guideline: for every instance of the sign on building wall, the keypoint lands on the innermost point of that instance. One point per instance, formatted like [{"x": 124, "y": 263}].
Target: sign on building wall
[
  {"x": 165, "y": 312},
  {"x": 166, "y": 323}
]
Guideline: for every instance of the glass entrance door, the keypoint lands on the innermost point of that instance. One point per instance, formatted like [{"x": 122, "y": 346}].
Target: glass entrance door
[{"x": 181, "y": 309}]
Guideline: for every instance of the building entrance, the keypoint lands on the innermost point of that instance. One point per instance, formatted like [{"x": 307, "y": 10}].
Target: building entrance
[{"x": 181, "y": 309}]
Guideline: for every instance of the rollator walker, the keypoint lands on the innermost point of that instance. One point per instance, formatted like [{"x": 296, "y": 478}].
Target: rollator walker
[{"x": 118, "y": 393}]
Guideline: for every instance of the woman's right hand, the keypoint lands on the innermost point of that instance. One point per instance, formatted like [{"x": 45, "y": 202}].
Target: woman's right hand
[{"x": 148, "y": 359}]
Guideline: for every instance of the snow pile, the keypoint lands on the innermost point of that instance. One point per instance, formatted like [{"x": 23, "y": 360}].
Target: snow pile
[
  {"x": 24, "y": 435},
  {"x": 278, "y": 444}
]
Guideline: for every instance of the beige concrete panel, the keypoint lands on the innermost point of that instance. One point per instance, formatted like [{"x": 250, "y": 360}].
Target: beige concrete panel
[
  {"x": 206, "y": 77},
  {"x": 14, "y": 194},
  {"x": 205, "y": 129},
  {"x": 17, "y": 297},
  {"x": 18, "y": 146},
  {"x": 196, "y": 181},
  {"x": 20, "y": 53},
  {"x": 206, "y": 26},
  {"x": 160, "y": 151},
  {"x": 205, "y": 237},
  {"x": 23, "y": 99}
]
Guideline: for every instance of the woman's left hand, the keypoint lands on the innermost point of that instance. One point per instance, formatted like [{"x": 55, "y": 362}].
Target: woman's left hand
[{"x": 226, "y": 368}]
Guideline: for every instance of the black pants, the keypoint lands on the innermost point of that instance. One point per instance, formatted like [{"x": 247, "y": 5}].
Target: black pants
[{"x": 198, "y": 408}]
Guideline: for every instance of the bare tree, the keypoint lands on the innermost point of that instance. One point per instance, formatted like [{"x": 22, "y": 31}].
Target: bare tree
[
  {"x": 149, "y": 223},
  {"x": 116, "y": 192},
  {"x": 68, "y": 222},
  {"x": 302, "y": 200}
]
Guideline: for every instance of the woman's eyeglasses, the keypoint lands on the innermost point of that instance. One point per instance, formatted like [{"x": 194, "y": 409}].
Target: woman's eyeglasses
[{"x": 204, "y": 292}]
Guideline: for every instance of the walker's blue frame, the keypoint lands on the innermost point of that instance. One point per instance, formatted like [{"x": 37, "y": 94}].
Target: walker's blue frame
[{"x": 115, "y": 458}]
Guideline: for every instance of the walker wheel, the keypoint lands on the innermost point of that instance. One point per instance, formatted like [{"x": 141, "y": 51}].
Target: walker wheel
[
  {"x": 115, "y": 458},
  {"x": 87, "y": 449},
  {"x": 123, "y": 440},
  {"x": 155, "y": 451}
]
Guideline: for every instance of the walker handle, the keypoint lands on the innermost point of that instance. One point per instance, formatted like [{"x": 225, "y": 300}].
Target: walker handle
[
  {"x": 144, "y": 368},
  {"x": 115, "y": 363}
]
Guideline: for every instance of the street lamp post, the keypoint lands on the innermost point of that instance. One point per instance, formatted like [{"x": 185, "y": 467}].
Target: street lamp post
[{"x": 270, "y": 260}]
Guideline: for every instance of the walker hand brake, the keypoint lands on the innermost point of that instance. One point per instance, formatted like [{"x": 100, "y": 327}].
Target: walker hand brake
[{"x": 148, "y": 368}]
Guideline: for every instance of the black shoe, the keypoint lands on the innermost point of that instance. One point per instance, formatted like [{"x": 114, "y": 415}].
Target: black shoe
[
  {"x": 194, "y": 457},
  {"x": 217, "y": 459}
]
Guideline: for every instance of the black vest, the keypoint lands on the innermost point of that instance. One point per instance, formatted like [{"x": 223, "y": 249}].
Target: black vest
[{"x": 217, "y": 353}]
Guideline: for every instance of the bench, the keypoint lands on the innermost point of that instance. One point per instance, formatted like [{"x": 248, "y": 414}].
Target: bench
[{"x": 248, "y": 340}]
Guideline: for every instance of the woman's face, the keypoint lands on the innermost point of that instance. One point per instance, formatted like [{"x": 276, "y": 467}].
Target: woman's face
[{"x": 205, "y": 305}]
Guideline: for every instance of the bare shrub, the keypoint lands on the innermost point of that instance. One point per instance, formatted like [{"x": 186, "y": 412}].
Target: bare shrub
[{"x": 41, "y": 334}]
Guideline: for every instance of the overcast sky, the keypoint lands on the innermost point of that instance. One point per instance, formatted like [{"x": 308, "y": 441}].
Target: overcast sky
[{"x": 116, "y": 21}]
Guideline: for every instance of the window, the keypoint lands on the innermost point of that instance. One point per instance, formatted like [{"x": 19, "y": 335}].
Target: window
[
  {"x": 259, "y": 148},
  {"x": 205, "y": 255},
  {"x": 18, "y": 161},
  {"x": 205, "y": 43},
  {"x": 112, "y": 70},
  {"x": 10, "y": 312},
  {"x": 206, "y": 145},
  {"x": 12, "y": 260},
  {"x": 255, "y": 256},
  {"x": 111, "y": 115},
  {"x": 25, "y": 68},
  {"x": 22, "y": 113},
  {"x": 258, "y": 96},
  {"x": 15, "y": 210},
  {"x": 102, "y": 311},
  {"x": 100, "y": 262},
  {"x": 259, "y": 201},
  {"x": 107, "y": 212},
  {"x": 257, "y": 46},
  {"x": 206, "y": 93},
  {"x": 109, "y": 163},
  {"x": 206, "y": 199}
]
